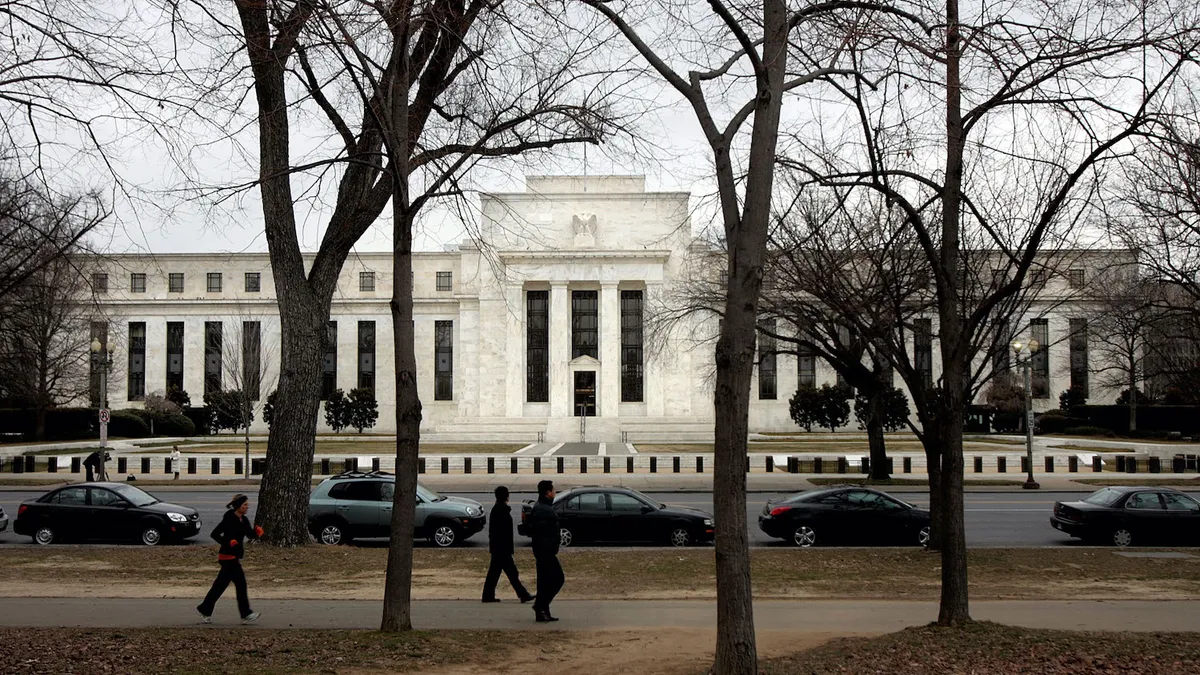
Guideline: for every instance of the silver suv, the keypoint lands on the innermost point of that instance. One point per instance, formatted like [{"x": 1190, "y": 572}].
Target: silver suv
[{"x": 359, "y": 505}]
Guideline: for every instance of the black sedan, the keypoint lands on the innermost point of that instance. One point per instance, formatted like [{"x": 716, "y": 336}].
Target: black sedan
[
  {"x": 621, "y": 515},
  {"x": 104, "y": 511},
  {"x": 847, "y": 515},
  {"x": 1123, "y": 516}
]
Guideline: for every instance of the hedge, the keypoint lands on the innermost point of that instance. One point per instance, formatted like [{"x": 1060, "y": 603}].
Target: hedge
[
  {"x": 1151, "y": 419},
  {"x": 62, "y": 424}
]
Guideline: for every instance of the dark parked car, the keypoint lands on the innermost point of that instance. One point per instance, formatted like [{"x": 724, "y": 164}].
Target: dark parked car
[
  {"x": 1123, "y": 516},
  {"x": 357, "y": 505},
  {"x": 603, "y": 514},
  {"x": 104, "y": 511},
  {"x": 846, "y": 515},
  {"x": 3, "y": 520}
]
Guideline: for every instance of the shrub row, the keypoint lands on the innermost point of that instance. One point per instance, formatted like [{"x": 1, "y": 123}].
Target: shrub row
[{"x": 74, "y": 424}]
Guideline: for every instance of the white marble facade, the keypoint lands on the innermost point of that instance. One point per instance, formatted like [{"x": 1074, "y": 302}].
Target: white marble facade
[{"x": 563, "y": 234}]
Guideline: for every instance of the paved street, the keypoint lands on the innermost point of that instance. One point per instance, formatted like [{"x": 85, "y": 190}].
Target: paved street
[
  {"x": 1011, "y": 518},
  {"x": 824, "y": 616}
]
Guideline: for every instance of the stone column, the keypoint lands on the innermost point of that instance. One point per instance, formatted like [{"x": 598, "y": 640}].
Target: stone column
[
  {"x": 514, "y": 395},
  {"x": 610, "y": 349},
  {"x": 560, "y": 350},
  {"x": 654, "y": 370}
]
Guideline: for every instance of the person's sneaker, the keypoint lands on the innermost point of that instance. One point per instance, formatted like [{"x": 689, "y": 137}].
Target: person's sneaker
[
  {"x": 250, "y": 618},
  {"x": 204, "y": 618},
  {"x": 491, "y": 599}
]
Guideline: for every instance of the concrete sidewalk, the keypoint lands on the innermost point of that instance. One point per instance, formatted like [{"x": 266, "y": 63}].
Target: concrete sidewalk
[{"x": 823, "y": 616}]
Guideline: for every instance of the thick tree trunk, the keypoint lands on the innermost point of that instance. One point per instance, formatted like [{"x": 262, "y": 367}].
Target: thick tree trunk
[
  {"x": 736, "y": 652},
  {"x": 875, "y": 438},
  {"x": 954, "y": 607},
  {"x": 933, "y": 462},
  {"x": 39, "y": 423},
  {"x": 1132, "y": 400},
  {"x": 397, "y": 594},
  {"x": 286, "y": 483}
]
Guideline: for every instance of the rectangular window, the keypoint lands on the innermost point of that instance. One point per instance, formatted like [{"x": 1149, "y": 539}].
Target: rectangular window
[
  {"x": 537, "y": 346},
  {"x": 99, "y": 282},
  {"x": 137, "y": 361},
  {"x": 366, "y": 354},
  {"x": 253, "y": 282},
  {"x": 175, "y": 355},
  {"x": 923, "y": 349},
  {"x": 766, "y": 361},
  {"x": 329, "y": 363},
  {"x": 1039, "y": 330},
  {"x": 806, "y": 367},
  {"x": 1075, "y": 278},
  {"x": 99, "y": 331},
  {"x": 214, "y": 282},
  {"x": 445, "y": 281},
  {"x": 175, "y": 282},
  {"x": 212, "y": 357},
  {"x": 1000, "y": 351},
  {"x": 443, "y": 359},
  {"x": 137, "y": 282},
  {"x": 366, "y": 281},
  {"x": 632, "y": 335},
  {"x": 252, "y": 374},
  {"x": 585, "y": 326},
  {"x": 844, "y": 343},
  {"x": 1079, "y": 355}
]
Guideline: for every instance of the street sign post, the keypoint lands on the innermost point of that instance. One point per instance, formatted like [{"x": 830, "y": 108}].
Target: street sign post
[{"x": 105, "y": 416}]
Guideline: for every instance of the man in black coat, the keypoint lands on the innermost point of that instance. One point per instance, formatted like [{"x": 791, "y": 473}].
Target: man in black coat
[
  {"x": 500, "y": 543},
  {"x": 543, "y": 527}
]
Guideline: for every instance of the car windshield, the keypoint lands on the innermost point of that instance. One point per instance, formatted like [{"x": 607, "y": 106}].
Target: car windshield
[
  {"x": 135, "y": 496},
  {"x": 1105, "y": 497},
  {"x": 428, "y": 495}
]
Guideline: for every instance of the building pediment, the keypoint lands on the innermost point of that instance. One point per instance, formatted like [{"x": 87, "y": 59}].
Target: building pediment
[{"x": 585, "y": 361}]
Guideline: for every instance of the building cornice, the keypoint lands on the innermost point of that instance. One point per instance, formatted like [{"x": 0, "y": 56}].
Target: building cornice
[{"x": 582, "y": 256}]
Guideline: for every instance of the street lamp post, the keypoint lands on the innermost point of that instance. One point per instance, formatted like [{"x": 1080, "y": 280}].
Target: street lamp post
[
  {"x": 1029, "y": 349},
  {"x": 102, "y": 358}
]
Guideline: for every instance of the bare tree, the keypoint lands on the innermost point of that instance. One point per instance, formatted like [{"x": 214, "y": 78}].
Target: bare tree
[
  {"x": 249, "y": 369},
  {"x": 45, "y": 337},
  {"x": 416, "y": 94},
  {"x": 988, "y": 82}
]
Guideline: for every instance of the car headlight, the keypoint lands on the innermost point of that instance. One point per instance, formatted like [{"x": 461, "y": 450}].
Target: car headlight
[
  {"x": 708, "y": 522},
  {"x": 474, "y": 511},
  {"x": 177, "y": 517}
]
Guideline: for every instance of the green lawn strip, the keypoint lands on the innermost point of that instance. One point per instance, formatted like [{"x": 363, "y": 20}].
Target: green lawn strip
[
  {"x": 855, "y": 480},
  {"x": 63, "y": 452},
  {"x": 984, "y": 647},
  {"x": 349, "y": 447},
  {"x": 1165, "y": 482},
  {"x": 201, "y": 651},
  {"x": 866, "y": 573}
]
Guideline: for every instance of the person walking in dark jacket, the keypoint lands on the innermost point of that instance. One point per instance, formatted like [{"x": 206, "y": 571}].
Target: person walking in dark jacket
[
  {"x": 543, "y": 527},
  {"x": 500, "y": 543},
  {"x": 229, "y": 533}
]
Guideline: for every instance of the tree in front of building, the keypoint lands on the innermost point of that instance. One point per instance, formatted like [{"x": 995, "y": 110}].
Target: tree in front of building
[
  {"x": 269, "y": 410},
  {"x": 891, "y": 410},
  {"x": 1006, "y": 398},
  {"x": 834, "y": 407},
  {"x": 362, "y": 410},
  {"x": 158, "y": 407},
  {"x": 179, "y": 396},
  {"x": 227, "y": 410},
  {"x": 805, "y": 407},
  {"x": 336, "y": 411},
  {"x": 1071, "y": 397}
]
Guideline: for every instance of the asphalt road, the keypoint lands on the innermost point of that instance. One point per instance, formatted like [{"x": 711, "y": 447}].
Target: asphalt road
[{"x": 992, "y": 519}]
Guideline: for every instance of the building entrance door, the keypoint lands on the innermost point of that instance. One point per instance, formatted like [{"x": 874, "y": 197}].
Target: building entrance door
[{"x": 585, "y": 393}]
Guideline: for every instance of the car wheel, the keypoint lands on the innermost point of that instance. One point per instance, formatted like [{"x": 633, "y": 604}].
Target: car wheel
[
  {"x": 332, "y": 534},
  {"x": 923, "y": 537},
  {"x": 44, "y": 536},
  {"x": 804, "y": 536},
  {"x": 1122, "y": 536},
  {"x": 565, "y": 537},
  {"x": 151, "y": 536},
  {"x": 444, "y": 535},
  {"x": 680, "y": 537}
]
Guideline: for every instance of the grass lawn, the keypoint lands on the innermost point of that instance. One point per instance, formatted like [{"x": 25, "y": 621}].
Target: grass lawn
[
  {"x": 994, "y": 649},
  {"x": 1167, "y": 482},
  {"x": 792, "y": 447},
  {"x": 852, "y": 480},
  {"x": 353, "y": 572},
  {"x": 366, "y": 446},
  {"x": 258, "y": 652}
]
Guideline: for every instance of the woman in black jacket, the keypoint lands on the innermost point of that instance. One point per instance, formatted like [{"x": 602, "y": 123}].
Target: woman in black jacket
[{"x": 229, "y": 533}]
